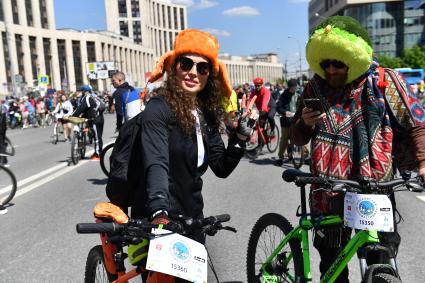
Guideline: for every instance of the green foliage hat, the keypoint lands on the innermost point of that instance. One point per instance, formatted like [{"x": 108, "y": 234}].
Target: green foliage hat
[{"x": 343, "y": 39}]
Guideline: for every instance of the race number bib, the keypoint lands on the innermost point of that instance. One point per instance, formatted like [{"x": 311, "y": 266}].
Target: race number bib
[
  {"x": 178, "y": 256},
  {"x": 368, "y": 212}
]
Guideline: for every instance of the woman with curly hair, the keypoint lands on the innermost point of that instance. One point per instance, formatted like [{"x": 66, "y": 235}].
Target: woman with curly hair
[{"x": 180, "y": 131}]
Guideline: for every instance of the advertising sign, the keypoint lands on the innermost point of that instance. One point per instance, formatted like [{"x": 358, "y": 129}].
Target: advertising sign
[{"x": 100, "y": 70}]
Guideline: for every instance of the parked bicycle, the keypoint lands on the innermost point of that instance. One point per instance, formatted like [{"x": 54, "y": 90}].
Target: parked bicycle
[
  {"x": 260, "y": 137},
  {"x": 105, "y": 154},
  {"x": 8, "y": 185},
  {"x": 106, "y": 262},
  {"x": 277, "y": 252}
]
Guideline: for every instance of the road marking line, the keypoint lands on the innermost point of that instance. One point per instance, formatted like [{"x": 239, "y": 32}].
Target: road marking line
[
  {"x": 422, "y": 198},
  {"x": 48, "y": 179}
]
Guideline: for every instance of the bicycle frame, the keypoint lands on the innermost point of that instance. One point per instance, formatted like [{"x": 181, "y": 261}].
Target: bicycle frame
[
  {"x": 301, "y": 233},
  {"x": 117, "y": 266}
]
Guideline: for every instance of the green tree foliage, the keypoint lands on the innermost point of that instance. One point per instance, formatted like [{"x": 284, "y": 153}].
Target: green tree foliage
[
  {"x": 414, "y": 57},
  {"x": 390, "y": 62}
]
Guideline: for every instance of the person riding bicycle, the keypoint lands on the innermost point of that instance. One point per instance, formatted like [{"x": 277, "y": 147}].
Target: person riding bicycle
[
  {"x": 367, "y": 116},
  {"x": 286, "y": 107},
  {"x": 265, "y": 104},
  {"x": 63, "y": 108},
  {"x": 180, "y": 131},
  {"x": 87, "y": 108}
]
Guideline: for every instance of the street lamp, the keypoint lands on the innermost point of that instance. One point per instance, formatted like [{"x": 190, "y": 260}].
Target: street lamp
[
  {"x": 319, "y": 16},
  {"x": 299, "y": 51}
]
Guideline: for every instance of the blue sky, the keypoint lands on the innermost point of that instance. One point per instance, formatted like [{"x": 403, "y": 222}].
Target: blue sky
[{"x": 243, "y": 27}]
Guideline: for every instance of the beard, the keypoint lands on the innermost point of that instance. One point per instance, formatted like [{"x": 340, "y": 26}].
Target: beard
[{"x": 336, "y": 81}]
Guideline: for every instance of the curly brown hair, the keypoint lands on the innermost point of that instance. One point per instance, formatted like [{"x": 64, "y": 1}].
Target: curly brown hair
[{"x": 208, "y": 102}]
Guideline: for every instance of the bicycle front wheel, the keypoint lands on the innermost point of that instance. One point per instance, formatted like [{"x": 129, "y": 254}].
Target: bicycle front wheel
[
  {"x": 252, "y": 142},
  {"x": 82, "y": 142},
  {"x": 265, "y": 237},
  {"x": 105, "y": 154},
  {"x": 297, "y": 156},
  {"x": 10, "y": 149},
  {"x": 273, "y": 140},
  {"x": 95, "y": 268},
  {"x": 75, "y": 151},
  {"x": 8, "y": 185}
]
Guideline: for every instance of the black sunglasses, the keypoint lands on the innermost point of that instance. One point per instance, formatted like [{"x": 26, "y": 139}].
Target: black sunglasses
[
  {"x": 186, "y": 64},
  {"x": 337, "y": 64}
]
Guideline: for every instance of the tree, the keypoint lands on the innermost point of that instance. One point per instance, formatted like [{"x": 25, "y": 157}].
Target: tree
[
  {"x": 390, "y": 62},
  {"x": 414, "y": 57}
]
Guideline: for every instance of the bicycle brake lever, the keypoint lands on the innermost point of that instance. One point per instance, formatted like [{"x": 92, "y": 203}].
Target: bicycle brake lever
[{"x": 229, "y": 228}]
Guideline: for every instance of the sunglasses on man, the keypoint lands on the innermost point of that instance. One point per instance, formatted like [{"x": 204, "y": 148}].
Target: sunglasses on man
[
  {"x": 186, "y": 64},
  {"x": 337, "y": 64}
]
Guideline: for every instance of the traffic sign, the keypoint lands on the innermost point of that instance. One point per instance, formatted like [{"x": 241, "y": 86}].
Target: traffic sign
[{"x": 43, "y": 80}]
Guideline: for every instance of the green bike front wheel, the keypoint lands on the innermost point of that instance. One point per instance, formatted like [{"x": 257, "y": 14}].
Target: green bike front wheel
[{"x": 265, "y": 237}]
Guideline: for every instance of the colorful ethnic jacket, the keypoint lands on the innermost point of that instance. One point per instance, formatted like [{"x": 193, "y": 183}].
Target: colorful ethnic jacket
[{"x": 363, "y": 129}]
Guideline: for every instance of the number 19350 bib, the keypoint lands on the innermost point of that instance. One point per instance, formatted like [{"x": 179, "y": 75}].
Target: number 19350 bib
[{"x": 368, "y": 212}]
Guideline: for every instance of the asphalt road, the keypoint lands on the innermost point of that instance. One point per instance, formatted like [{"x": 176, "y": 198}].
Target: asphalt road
[{"x": 39, "y": 242}]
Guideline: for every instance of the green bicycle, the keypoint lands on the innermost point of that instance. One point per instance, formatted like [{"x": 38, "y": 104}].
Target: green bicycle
[{"x": 277, "y": 252}]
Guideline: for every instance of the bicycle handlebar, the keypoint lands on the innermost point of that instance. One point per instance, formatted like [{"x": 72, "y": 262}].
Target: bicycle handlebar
[
  {"x": 180, "y": 225},
  {"x": 302, "y": 178}
]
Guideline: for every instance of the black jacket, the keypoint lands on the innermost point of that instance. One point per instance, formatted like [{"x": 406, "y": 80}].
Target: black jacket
[
  {"x": 283, "y": 105},
  {"x": 117, "y": 95},
  {"x": 170, "y": 173},
  {"x": 87, "y": 109}
]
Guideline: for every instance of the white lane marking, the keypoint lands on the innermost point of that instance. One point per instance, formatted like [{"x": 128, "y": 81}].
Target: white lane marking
[
  {"x": 422, "y": 198},
  {"x": 37, "y": 184},
  {"x": 36, "y": 176}
]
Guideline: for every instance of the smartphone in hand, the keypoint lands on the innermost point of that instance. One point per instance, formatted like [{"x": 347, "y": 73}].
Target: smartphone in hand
[{"x": 314, "y": 103}]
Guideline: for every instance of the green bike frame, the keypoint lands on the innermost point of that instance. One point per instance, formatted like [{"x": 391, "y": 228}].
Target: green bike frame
[{"x": 301, "y": 233}]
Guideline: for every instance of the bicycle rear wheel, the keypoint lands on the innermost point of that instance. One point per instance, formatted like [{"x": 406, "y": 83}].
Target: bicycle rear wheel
[
  {"x": 273, "y": 140},
  {"x": 75, "y": 152},
  {"x": 105, "y": 154},
  {"x": 49, "y": 119},
  {"x": 8, "y": 185},
  {"x": 297, "y": 156},
  {"x": 10, "y": 149},
  {"x": 95, "y": 268},
  {"x": 265, "y": 237}
]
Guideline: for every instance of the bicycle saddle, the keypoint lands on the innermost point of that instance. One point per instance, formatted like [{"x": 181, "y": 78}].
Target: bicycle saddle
[
  {"x": 289, "y": 175},
  {"x": 110, "y": 211}
]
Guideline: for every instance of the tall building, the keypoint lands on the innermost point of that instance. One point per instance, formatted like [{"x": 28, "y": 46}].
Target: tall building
[
  {"x": 31, "y": 46},
  {"x": 393, "y": 25},
  {"x": 152, "y": 23},
  {"x": 244, "y": 69}
]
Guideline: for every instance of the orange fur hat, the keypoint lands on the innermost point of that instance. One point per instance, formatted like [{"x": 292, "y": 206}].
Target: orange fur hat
[{"x": 196, "y": 42}]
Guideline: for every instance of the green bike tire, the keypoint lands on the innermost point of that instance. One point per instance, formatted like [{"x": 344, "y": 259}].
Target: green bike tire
[
  {"x": 95, "y": 268},
  {"x": 385, "y": 278},
  {"x": 269, "y": 222}
]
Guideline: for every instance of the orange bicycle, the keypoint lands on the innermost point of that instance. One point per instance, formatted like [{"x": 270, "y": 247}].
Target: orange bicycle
[{"x": 105, "y": 263}]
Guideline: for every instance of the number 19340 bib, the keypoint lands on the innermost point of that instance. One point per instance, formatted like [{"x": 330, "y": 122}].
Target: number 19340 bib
[{"x": 368, "y": 212}]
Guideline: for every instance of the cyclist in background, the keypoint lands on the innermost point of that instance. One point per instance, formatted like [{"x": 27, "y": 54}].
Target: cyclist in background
[
  {"x": 3, "y": 128},
  {"x": 359, "y": 129},
  {"x": 121, "y": 89},
  {"x": 265, "y": 105},
  {"x": 63, "y": 108},
  {"x": 87, "y": 109},
  {"x": 286, "y": 107}
]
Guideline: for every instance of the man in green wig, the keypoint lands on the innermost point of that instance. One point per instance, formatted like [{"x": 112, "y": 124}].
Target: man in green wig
[{"x": 368, "y": 121}]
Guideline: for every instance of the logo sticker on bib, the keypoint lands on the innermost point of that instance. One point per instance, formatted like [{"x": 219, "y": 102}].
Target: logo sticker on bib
[
  {"x": 180, "y": 251},
  {"x": 368, "y": 212}
]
